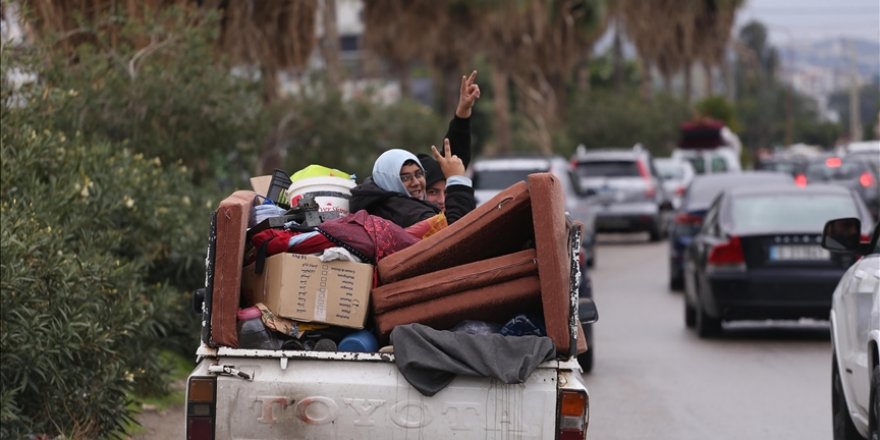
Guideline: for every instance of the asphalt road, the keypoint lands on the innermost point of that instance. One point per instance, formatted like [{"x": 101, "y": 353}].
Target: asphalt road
[{"x": 655, "y": 379}]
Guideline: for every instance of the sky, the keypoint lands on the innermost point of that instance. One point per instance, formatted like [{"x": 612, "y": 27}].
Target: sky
[{"x": 805, "y": 21}]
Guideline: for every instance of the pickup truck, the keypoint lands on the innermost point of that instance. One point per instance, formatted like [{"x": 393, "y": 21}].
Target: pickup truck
[{"x": 236, "y": 393}]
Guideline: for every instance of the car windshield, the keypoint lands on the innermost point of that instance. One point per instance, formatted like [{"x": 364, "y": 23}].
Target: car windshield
[
  {"x": 789, "y": 212},
  {"x": 670, "y": 170},
  {"x": 501, "y": 179},
  {"x": 834, "y": 170},
  {"x": 608, "y": 168}
]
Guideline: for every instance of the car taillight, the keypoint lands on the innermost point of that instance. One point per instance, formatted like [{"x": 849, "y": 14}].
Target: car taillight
[
  {"x": 680, "y": 191},
  {"x": 688, "y": 219},
  {"x": 800, "y": 180},
  {"x": 727, "y": 255},
  {"x": 201, "y": 405},
  {"x": 833, "y": 162},
  {"x": 866, "y": 179},
  {"x": 650, "y": 192},
  {"x": 573, "y": 415},
  {"x": 865, "y": 238}
]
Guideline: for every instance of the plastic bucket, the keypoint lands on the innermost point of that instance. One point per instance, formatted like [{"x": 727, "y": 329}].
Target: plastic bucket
[{"x": 330, "y": 193}]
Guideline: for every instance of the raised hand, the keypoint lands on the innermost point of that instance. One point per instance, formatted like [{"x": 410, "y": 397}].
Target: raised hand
[
  {"x": 450, "y": 164},
  {"x": 469, "y": 93}
]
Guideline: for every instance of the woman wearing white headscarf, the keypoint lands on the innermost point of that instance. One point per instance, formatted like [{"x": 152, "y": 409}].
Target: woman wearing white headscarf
[{"x": 396, "y": 189}]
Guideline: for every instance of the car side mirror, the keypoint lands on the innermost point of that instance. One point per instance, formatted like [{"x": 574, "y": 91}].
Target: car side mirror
[
  {"x": 587, "y": 312},
  {"x": 842, "y": 235}
]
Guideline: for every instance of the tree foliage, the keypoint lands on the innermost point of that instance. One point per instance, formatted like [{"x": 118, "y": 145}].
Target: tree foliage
[{"x": 86, "y": 238}]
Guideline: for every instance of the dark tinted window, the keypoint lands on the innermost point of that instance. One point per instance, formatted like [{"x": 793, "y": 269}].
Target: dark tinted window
[
  {"x": 789, "y": 212},
  {"x": 500, "y": 179},
  {"x": 701, "y": 192},
  {"x": 698, "y": 164},
  {"x": 608, "y": 168}
]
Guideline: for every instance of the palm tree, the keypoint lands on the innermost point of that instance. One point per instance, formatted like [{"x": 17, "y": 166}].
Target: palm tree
[{"x": 398, "y": 32}]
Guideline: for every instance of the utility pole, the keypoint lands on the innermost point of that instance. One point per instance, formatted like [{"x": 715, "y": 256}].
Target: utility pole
[{"x": 855, "y": 119}]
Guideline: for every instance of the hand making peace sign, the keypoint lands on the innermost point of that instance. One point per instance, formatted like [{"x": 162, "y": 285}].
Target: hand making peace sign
[{"x": 469, "y": 93}]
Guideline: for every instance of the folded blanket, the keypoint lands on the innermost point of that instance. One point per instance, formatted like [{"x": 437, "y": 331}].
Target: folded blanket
[{"x": 430, "y": 359}]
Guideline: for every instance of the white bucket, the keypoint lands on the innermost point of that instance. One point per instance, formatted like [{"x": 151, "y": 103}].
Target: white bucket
[{"x": 331, "y": 193}]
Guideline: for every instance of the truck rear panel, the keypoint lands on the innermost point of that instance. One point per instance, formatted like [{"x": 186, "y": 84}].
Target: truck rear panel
[{"x": 364, "y": 396}]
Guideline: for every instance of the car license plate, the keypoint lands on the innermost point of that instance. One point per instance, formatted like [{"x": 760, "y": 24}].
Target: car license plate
[{"x": 794, "y": 252}]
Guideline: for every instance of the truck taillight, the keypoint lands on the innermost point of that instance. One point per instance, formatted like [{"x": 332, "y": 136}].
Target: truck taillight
[
  {"x": 727, "y": 255},
  {"x": 573, "y": 415},
  {"x": 201, "y": 399}
]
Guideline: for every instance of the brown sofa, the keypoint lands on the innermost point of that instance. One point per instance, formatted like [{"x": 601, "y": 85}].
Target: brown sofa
[{"x": 439, "y": 277}]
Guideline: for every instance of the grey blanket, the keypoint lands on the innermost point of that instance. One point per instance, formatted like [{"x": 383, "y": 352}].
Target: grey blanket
[{"x": 430, "y": 359}]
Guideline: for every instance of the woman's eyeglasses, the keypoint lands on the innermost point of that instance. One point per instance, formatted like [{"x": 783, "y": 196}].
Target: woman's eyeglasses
[{"x": 405, "y": 178}]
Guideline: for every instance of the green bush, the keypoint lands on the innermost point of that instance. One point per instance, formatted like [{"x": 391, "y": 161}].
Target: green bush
[{"x": 101, "y": 247}]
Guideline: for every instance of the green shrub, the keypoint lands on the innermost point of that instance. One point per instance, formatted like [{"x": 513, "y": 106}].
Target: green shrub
[{"x": 99, "y": 249}]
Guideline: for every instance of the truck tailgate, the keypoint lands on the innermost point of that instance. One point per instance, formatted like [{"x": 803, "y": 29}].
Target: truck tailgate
[{"x": 366, "y": 397}]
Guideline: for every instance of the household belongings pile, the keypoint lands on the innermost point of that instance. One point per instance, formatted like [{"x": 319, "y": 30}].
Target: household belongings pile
[{"x": 507, "y": 261}]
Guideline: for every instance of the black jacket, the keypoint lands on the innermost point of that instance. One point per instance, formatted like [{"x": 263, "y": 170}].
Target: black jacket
[{"x": 405, "y": 210}]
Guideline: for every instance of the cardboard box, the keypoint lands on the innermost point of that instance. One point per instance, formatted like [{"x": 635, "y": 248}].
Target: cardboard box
[{"x": 303, "y": 288}]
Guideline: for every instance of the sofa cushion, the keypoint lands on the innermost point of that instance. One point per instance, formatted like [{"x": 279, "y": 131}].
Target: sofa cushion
[
  {"x": 453, "y": 280},
  {"x": 231, "y": 226},
  {"x": 492, "y": 303},
  {"x": 498, "y": 227}
]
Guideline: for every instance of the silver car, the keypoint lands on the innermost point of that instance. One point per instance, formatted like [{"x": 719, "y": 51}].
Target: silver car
[
  {"x": 676, "y": 175},
  {"x": 630, "y": 191}
]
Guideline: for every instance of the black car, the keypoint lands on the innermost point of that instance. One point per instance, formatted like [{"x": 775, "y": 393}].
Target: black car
[
  {"x": 758, "y": 255},
  {"x": 697, "y": 198}
]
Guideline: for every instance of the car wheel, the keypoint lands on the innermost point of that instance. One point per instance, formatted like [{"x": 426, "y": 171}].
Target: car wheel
[
  {"x": 841, "y": 424},
  {"x": 874, "y": 405},
  {"x": 676, "y": 282},
  {"x": 585, "y": 359},
  {"x": 690, "y": 315},
  {"x": 656, "y": 232},
  {"x": 707, "y": 326}
]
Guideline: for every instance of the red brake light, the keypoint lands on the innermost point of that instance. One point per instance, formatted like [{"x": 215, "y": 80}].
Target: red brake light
[
  {"x": 800, "y": 180},
  {"x": 833, "y": 162},
  {"x": 688, "y": 219},
  {"x": 574, "y": 413},
  {"x": 865, "y": 238},
  {"x": 729, "y": 253},
  {"x": 650, "y": 191},
  {"x": 866, "y": 179},
  {"x": 201, "y": 402}
]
